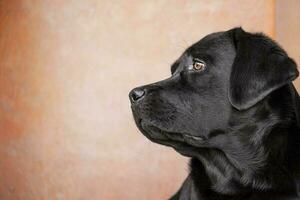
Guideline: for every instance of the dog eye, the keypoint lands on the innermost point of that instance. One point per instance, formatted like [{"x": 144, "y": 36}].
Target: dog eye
[{"x": 198, "y": 65}]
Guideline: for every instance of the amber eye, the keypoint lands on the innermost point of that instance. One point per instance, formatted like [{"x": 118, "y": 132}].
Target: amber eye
[{"x": 198, "y": 65}]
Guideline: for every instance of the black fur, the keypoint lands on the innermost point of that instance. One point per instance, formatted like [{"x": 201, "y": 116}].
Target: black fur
[{"x": 238, "y": 119}]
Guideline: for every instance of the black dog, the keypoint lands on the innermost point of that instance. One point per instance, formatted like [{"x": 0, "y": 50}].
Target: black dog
[{"x": 231, "y": 106}]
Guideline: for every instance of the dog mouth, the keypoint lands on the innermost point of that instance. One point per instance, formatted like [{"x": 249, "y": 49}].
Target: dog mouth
[{"x": 174, "y": 139}]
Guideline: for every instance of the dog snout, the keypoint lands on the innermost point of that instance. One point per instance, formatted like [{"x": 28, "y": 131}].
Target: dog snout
[{"x": 136, "y": 94}]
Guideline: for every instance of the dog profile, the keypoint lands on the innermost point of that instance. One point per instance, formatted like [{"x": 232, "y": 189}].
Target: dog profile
[{"x": 230, "y": 105}]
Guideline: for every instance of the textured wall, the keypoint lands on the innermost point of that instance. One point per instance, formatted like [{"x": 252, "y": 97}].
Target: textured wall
[{"x": 66, "y": 67}]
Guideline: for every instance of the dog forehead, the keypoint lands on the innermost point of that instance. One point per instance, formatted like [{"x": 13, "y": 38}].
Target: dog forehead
[
  {"x": 212, "y": 42},
  {"x": 214, "y": 46}
]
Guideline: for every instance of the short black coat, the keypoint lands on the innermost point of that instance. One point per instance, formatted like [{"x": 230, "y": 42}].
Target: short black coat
[{"x": 237, "y": 117}]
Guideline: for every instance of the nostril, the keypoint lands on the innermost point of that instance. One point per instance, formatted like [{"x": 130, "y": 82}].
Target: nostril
[{"x": 136, "y": 94}]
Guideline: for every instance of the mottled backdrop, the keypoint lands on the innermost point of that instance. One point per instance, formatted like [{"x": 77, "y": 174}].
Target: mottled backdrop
[{"x": 66, "y": 67}]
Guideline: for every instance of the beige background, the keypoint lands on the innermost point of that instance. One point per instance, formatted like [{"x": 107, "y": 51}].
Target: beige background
[
  {"x": 66, "y": 67},
  {"x": 287, "y": 28}
]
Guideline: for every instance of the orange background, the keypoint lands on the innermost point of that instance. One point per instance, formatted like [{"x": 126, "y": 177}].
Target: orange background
[{"x": 66, "y": 68}]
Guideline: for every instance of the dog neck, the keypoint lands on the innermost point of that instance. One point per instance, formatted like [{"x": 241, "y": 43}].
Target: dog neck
[
  {"x": 264, "y": 165},
  {"x": 257, "y": 155},
  {"x": 201, "y": 185}
]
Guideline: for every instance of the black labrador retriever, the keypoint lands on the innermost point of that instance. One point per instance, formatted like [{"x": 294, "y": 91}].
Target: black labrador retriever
[{"x": 231, "y": 106}]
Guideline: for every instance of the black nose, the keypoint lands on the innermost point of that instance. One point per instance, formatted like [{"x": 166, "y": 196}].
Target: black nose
[{"x": 136, "y": 94}]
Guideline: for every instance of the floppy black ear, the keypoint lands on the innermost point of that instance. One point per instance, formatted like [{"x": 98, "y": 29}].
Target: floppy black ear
[{"x": 260, "y": 67}]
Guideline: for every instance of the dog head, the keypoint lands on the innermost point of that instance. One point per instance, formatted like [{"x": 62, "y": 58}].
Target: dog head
[{"x": 226, "y": 81}]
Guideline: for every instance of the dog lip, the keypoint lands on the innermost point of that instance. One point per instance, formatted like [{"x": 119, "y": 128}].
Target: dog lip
[
  {"x": 193, "y": 137},
  {"x": 184, "y": 136}
]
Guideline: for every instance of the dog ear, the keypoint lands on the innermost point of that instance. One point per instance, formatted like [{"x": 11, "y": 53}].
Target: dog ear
[{"x": 260, "y": 67}]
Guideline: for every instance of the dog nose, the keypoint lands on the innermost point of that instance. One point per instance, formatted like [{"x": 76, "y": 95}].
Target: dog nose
[{"x": 136, "y": 94}]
